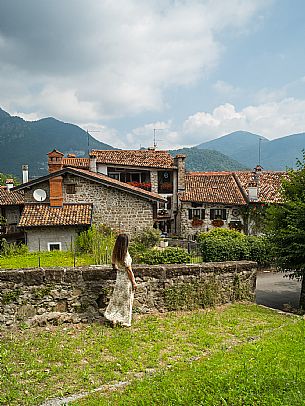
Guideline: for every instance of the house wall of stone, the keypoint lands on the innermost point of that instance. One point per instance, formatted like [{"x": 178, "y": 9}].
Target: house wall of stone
[
  {"x": 188, "y": 230},
  {"x": 11, "y": 214},
  {"x": 45, "y": 235},
  {"x": 28, "y": 193},
  {"x": 116, "y": 208},
  {"x": 39, "y": 296}
]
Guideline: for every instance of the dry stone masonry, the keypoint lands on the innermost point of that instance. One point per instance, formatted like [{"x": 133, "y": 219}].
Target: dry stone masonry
[{"x": 40, "y": 296}]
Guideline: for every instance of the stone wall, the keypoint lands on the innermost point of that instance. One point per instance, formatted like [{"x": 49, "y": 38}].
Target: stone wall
[
  {"x": 38, "y": 296},
  {"x": 116, "y": 208},
  {"x": 185, "y": 224}
]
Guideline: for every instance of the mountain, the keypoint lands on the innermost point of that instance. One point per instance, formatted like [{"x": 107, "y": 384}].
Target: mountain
[
  {"x": 234, "y": 143},
  {"x": 28, "y": 142},
  {"x": 278, "y": 154},
  {"x": 207, "y": 160}
]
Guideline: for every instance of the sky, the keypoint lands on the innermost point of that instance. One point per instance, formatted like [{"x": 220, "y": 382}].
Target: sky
[{"x": 192, "y": 69}]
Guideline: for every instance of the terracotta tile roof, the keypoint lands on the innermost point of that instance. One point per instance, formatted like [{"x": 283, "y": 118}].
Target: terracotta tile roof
[
  {"x": 139, "y": 158},
  {"x": 269, "y": 185},
  {"x": 34, "y": 215},
  {"x": 117, "y": 183},
  {"x": 76, "y": 162},
  {"x": 212, "y": 187},
  {"x": 9, "y": 198}
]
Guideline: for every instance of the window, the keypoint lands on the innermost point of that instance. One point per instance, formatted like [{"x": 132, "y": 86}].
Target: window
[
  {"x": 218, "y": 214},
  {"x": 70, "y": 188},
  {"x": 114, "y": 175},
  {"x": 196, "y": 214},
  {"x": 54, "y": 246}
]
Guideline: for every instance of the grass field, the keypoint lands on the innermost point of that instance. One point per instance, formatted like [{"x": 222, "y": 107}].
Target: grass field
[
  {"x": 240, "y": 354},
  {"x": 44, "y": 259}
]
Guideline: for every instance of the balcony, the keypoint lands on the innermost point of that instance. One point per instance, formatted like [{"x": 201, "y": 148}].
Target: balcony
[
  {"x": 165, "y": 187},
  {"x": 9, "y": 229},
  {"x": 141, "y": 185}
]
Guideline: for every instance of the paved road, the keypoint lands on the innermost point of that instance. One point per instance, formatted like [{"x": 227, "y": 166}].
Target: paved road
[{"x": 274, "y": 290}]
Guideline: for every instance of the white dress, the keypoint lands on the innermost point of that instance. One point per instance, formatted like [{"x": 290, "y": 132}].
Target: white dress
[{"x": 119, "y": 309}]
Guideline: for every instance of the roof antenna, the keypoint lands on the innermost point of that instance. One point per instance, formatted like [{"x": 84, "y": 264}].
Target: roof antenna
[
  {"x": 155, "y": 141},
  {"x": 259, "y": 151},
  {"x": 88, "y": 138}
]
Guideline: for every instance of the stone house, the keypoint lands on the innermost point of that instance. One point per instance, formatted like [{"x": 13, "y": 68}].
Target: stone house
[
  {"x": 210, "y": 199},
  {"x": 69, "y": 199},
  {"x": 11, "y": 205},
  {"x": 227, "y": 199},
  {"x": 148, "y": 169}
]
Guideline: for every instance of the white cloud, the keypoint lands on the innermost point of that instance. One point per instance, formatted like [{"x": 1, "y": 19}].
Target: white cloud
[
  {"x": 271, "y": 119},
  {"x": 87, "y": 61}
]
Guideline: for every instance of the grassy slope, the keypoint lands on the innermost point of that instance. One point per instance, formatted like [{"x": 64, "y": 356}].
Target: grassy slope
[{"x": 220, "y": 352}]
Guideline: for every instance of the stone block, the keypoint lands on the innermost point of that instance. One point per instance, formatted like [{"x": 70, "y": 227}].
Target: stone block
[
  {"x": 33, "y": 277},
  {"x": 53, "y": 275}
]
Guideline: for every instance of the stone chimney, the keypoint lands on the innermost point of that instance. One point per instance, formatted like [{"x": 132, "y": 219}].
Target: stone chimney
[
  {"x": 179, "y": 162},
  {"x": 253, "y": 191},
  {"x": 55, "y": 161},
  {"x": 9, "y": 184},
  {"x": 92, "y": 163},
  {"x": 55, "y": 164},
  {"x": 25, "y": 173}
]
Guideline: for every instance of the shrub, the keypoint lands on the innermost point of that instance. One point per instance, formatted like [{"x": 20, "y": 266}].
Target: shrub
[
  {"x": 136, "y": 250},
  {"x": 98, "y": 241},
  {"x": 148, "y": 237},
  {"x": 261, "y": 250},
  {"x": 11, "y": 249},
  {"x": 223, "y": 245},
  {"x": 170, "y": 255}
]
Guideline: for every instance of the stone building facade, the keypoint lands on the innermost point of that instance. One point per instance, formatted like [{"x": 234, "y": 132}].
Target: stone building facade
[{"x": 68, "y": 200}]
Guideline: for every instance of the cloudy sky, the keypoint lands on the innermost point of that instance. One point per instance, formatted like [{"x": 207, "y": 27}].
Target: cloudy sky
[{"x": 195, "y": 69}]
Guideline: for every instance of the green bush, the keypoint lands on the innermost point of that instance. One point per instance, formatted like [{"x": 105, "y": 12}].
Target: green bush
[
  {"x": 222, "y": 244},
  {"x": 136, "y": 250},
  {"x": 98, "y": 241},
  {"x": 11, "y": 249},
  {"x": 170, "y": 255},
  {"x": 148, "y": 237},
  {"x": 261, "y": 250},
  {"x": 230, "y": 245}
]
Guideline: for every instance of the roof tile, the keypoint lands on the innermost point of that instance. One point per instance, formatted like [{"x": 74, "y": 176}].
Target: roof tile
[
  {"x": 9, "y": 198},
  {"x": 34, "y": 215},
  {"x": 212, "y": 187}
]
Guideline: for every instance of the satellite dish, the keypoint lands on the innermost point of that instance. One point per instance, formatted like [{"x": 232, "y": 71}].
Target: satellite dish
[{"x": 39, "y": 195}]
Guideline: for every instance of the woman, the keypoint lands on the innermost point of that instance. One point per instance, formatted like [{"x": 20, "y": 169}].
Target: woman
[{"x": 119, "y": 309}]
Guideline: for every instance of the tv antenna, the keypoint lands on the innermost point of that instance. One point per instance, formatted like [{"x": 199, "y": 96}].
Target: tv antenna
[
  {"x": 88, "y": 138},
  {"x": 259, "y": 150},
  {"x": 155, "y": 141}
]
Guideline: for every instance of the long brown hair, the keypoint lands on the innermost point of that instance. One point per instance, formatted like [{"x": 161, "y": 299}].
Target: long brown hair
[{"x": 120, "y": 249}]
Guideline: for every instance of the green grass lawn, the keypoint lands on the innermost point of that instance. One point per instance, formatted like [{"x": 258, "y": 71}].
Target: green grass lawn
[
  {"x": 47, "y": 259},
  {"x": 240, "y": 354}
]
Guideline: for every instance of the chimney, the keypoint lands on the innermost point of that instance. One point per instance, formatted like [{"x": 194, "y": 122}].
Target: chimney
[
  {"x": 71, "y": 156},
  {"x": 25, "y": 173},
  {"x": 56, "y": 195},
  {"x": 55, "y": 161},
  {"x": 179, "y": 162},
  {"x": 253, "y": 191},
  {"x": 9, "y": 184},
  {"x": 92, "y": 163},
  {"x": 55, "y": 164}
]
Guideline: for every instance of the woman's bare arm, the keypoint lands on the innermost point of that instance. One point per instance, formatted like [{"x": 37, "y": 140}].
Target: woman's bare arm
[{"x": 131, "y": 276}]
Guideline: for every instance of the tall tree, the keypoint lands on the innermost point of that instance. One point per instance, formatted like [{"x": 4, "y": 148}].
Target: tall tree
[{"x": 286, "y": 226}]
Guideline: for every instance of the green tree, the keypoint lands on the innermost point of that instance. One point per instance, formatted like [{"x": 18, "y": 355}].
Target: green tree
[
  {"x": 286, "y": 226},
  {"x": 4, "y": 176}
]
